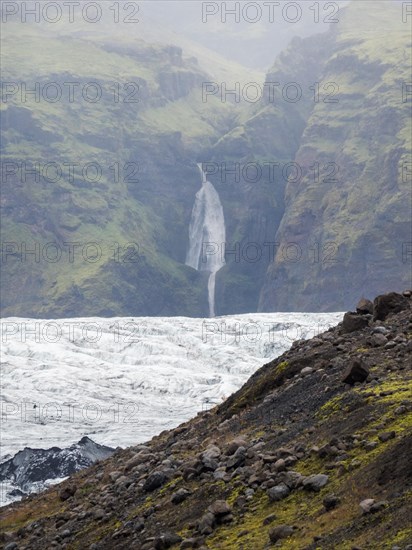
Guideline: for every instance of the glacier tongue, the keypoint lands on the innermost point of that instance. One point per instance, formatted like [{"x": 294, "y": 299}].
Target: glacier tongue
[{"x": 122, "y": 380}]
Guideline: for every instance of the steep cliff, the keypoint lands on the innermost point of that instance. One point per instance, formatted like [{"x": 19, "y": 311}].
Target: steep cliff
[
  {"x": 250, "y": 167},
  {"x": 348, "y": 218},
  {"x": 314, "y": 177},
  {"x": 99, "y": 183}
]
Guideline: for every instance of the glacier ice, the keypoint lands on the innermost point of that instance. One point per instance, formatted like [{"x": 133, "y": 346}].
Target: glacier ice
[{"x": 122, "y": 380}]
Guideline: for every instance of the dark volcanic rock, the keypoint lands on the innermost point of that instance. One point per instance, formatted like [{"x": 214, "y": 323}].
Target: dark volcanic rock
[
  {"x": 206, "y": 523},
  {"x": 154, "y": 481},
  {"x": 353, "y": 321},
  {"x": 67, "y": 492},
  {"x": 386, "y": 436},
  {"x": 282, "y": 420},
  {"x": 220, "y": 508},
  {"x": 280, "y": 532},
  {"x": 330, "y": 502},
  {"x": 386, "y": 304},
  {"x": 356, "y": 372},
  {"x": 38, "y": 465},
  {"x": 278, "y": 492},
  {"x": 167, "y": 540},
  {"x": 315, "y": 482},
  {"x": 364, "y": 306},
  {"x": 180, "y": 496}
]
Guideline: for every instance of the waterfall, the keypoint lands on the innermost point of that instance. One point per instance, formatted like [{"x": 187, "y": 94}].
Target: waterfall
[{"x": 207, "y": 235}]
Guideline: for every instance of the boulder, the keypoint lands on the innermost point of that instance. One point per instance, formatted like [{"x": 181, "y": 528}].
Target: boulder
[
  {"x": 378, "y": 506},
  {"x": 280, "y": 465},
  {"x": 137, "y": 459},
  {"x": 386, "y": 304},
  {"x": 292, "y": 479},
  {"x": 206, "y": 523},
  {"x": 233, "y": 445},
  {"x": 278, "y": 492},
  {"x": 189, "y": 543},
  {"x": 115, "y": 475},
  {"x": 138, "y": 524},
  {"x": 330, "y": 502},
  {"x": 280, "y": 532},
  {"x": 212, "y": 452},
  {"x": 166, "y": 540},
  {"x": 269, "y": 519},
  {"x": 364, "y": 306},
  {"x": 315, "y": 482},
  {"x": 354, "y": 321},
  {"x": 210, "y": 457},
  {"x": 220, "y": 508},
  {"x": 154, "y": 481},
  {"x": 386, "y": 436},
  {"x": 306, "y": 370},
  {"x": 67, "y": 492},
  {"x": 378, "y": 340},
  {"x": 179, "y": 496},
  {"x": 238, "y": 459},
  {"x": 356, "y": 372},
  {"x": 366, "y": 505}
]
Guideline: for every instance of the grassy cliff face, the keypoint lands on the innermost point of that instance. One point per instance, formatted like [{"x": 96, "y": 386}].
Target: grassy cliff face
[
  {"x": 352, "y": 217},
  {"x": 135, "y": 207},
  {"x": 266, "y": 141},
  {"x": 340, "y": 230}
]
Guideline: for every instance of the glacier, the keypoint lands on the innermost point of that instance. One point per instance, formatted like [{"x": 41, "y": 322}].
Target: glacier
[{"x": 120, "y": 381}]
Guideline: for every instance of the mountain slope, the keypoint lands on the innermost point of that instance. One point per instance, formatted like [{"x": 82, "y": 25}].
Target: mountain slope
[
  {"x": 141, "y": 137},
  {"x": 351, "y": 219},
  {"x": 340, "y": 229},
  {"x": 266, "y": 141},
  {"x": 288, "y": 458}
]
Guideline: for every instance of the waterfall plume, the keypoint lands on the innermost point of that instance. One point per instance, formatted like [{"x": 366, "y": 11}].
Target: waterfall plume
[{"x": 207, "y": 235}]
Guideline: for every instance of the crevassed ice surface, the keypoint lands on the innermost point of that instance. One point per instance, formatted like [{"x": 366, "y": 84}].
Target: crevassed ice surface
[{"x": 120, "y": 381}]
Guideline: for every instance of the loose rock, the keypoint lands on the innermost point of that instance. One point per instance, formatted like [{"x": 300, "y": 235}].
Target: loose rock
[
  {"x": 278, "y": 492},
  {"x": 315, "y": 482},
  {"x": 386, "y": 304},
  {"x": 179, "y": 496},
  {"x": 330, "y": 502},
  {"x": 280, "y": 532},
  {"x": 366, "y": 505},
  {"x": 364, "y": 306},
  {"x": 353, "y": 321},
  {"x": 154, "y": 481},
  {"x": 386, "y": 436},
  {"x": 356, "y": 372}
]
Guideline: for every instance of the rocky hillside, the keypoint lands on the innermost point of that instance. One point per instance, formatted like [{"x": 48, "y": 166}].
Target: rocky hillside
[{"x": 313, "y": 452}]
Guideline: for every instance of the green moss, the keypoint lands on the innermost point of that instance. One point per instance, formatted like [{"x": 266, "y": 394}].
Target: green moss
[
  {"x": 86, "y": 489},
  {"x": 331, "y": 407},
  {"x": 280, "y": 368},
  {"x": 404, "y": 536}
]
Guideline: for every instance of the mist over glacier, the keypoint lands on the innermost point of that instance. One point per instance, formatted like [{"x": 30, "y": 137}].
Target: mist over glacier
[{"x": 121, "y": 381}]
